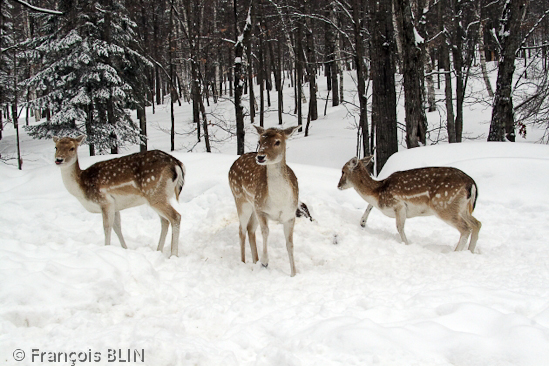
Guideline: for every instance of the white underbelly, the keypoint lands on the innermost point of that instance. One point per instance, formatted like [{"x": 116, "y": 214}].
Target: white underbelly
[
  {"x": 122, "y": 202},
  {"x": 90, "y": 206},
  {"x": 418, "y": 210}
]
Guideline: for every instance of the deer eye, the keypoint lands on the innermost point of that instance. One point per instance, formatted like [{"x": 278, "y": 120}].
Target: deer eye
[
  {"x": 277, "y": 143},
  {"x": 72, "y": 148}
]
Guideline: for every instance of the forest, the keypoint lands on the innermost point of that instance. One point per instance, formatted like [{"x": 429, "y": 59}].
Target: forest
[{"x": 89, "y": 66}]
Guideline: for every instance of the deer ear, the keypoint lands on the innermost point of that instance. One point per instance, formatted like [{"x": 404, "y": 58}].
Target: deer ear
[
  {"x": 353, "y": 163},
  {"x": 55, "y": 139},
  {"x": 259, "y": 129},
  {"x": 290, "y": 131},
  {"x": 367, "y": 160},
  {"x": 80, "y": 139}
]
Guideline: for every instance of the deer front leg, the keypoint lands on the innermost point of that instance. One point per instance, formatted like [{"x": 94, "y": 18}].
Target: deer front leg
[
  {"x": 365, "y": 216},
  {"x": 289, "y": 234},
  {"x": 265, "y": 233},
  {"x": 252, "y": 226},
  {"x": 118, "y": 229},
  {"x": 400, "y": 214},
  {"x": 108, "y": 221}
]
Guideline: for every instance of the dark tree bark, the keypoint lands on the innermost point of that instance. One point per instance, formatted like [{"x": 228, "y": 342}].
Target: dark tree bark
[
  {"x": 331, "y": 64},
  {"x": 412, "y": 70},
  {"x": 383, "y": 82},
  {"x": 310, "y": 64},
  {"x": 502, "y": 125},
  {"x": 241, "y": 39},
  {"x": 299, "y": 61},
  {"x": 358, "y": 8}
]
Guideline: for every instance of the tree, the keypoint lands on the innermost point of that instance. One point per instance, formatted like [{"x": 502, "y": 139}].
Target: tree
[
  {"x": 81, "y": 78},
  {"x": 384, "y": 104},
  {"x": 241, "y": 38},
  {"x": 412, "y": 70},
  {"x": 502, "y": 124}
]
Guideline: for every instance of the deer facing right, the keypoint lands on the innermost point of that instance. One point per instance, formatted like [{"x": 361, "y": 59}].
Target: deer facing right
[{"x": 445, "y": 192}]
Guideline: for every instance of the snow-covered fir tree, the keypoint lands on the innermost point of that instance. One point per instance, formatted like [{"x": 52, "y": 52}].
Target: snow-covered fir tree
[{"x": 83, "y": 79}]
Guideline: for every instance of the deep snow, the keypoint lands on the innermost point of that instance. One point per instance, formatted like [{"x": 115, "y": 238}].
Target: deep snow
[{"x": 367, "y": 300}]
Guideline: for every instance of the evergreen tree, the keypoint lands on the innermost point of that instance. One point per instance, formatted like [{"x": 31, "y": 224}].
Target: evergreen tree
[{"x": 84, "y": 80}]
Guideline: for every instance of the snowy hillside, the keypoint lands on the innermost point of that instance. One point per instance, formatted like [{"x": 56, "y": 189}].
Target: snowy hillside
[{"x": 360, "y": 296}]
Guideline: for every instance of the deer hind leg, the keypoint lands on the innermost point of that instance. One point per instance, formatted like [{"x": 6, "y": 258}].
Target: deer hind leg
[
  {"x": 365, "y": 216},
  {"x": 245, "y": 213},
  {"x": 400, "y": 215},
  {"x": 117, "y": 226},
  {"x": 252, "y": 226},
  {"x": 289, "y": 234},
  {"x": 163, "y": 232},
  {"x": 475, "y": 225},
  {"x": 166, "y": 211},
  {"x": 464, "y": 229}
]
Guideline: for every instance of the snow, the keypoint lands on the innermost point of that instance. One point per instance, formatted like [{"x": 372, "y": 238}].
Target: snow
[{"x": 367, "y": 300}]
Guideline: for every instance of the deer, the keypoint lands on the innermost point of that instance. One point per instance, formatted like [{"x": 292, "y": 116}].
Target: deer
[
  {"x": 107, "y": 187},
  {"x": 265, "y": 188},
  {"x": 445, "y": 192}
]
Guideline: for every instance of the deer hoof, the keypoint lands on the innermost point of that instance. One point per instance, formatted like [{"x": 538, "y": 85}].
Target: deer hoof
[{"x": 265, "y": 265}]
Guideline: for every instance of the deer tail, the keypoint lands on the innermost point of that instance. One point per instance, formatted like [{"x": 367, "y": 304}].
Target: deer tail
[
  {"x": 473, "y": 195},
  {"x": 179, "y": 178}
]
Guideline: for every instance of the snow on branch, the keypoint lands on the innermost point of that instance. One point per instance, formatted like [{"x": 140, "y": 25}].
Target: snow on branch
[{"x": 38, "y": 9}]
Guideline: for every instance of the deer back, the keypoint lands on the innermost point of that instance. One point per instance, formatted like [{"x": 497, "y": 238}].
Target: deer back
[
  {"x": 423, "y": 190},
  {"x": 144, "y": 174}
]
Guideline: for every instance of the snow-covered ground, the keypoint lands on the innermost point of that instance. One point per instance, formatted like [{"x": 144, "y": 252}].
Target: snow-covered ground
[{"x": 360, "y": 297}]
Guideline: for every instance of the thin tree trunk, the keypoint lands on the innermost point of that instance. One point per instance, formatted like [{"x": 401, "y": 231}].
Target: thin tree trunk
[
  {"x": 299, "y": 75},
  {"x": 450, "y": 126},
  {"x": 482, "y": 54},
  {"x": 361, "y": 71},
  {"x": 142, "y": 117},
  {"x": 412, "y": 70},
  {"x": 502, "y": 125},
  {"x": 383, "y": 82},
  {"x": 238, "y": 54}
]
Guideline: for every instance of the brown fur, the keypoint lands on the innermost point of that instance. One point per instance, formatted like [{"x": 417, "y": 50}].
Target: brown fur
[
  {"x": 447, "y": 193},
  {"x": 151, "y": 177},
  {"x": 265, "y": 188}
]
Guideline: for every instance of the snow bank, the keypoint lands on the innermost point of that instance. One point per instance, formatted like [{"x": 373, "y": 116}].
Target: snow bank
[{"x": 367, "y": 300}]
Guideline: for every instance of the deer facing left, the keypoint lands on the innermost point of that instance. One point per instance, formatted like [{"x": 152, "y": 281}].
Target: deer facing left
[{"x": 107, "y": 187}]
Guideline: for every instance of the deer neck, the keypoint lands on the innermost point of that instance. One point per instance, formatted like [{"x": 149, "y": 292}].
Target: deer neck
[
  {"x": 71, "y": 175},
  {"x": 367, "y": 186},
  {"x": 277, "y": 170}
]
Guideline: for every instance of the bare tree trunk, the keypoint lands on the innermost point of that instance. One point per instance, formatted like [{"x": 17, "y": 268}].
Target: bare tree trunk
[
  {"x": 482, "y": 55},
  {"x": 502, "y": 125},
  {"x": 450, "y": 126},
  {"x": 249, "y": 57},
  {"x": 430, "y": 83},
  {"x": 383, "y": 82},
  {"x": 238, "y": 54},
  {"x": 331, "y": 64},
  {"x": 142, "y": 117},
  {"x": 358, "y": 9},
  {"x": 412, "y": 70},
  {"x": 277, "y": 63},
  {"x": 299, "y": 74},
  {"x": 310, "y": 64}
]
